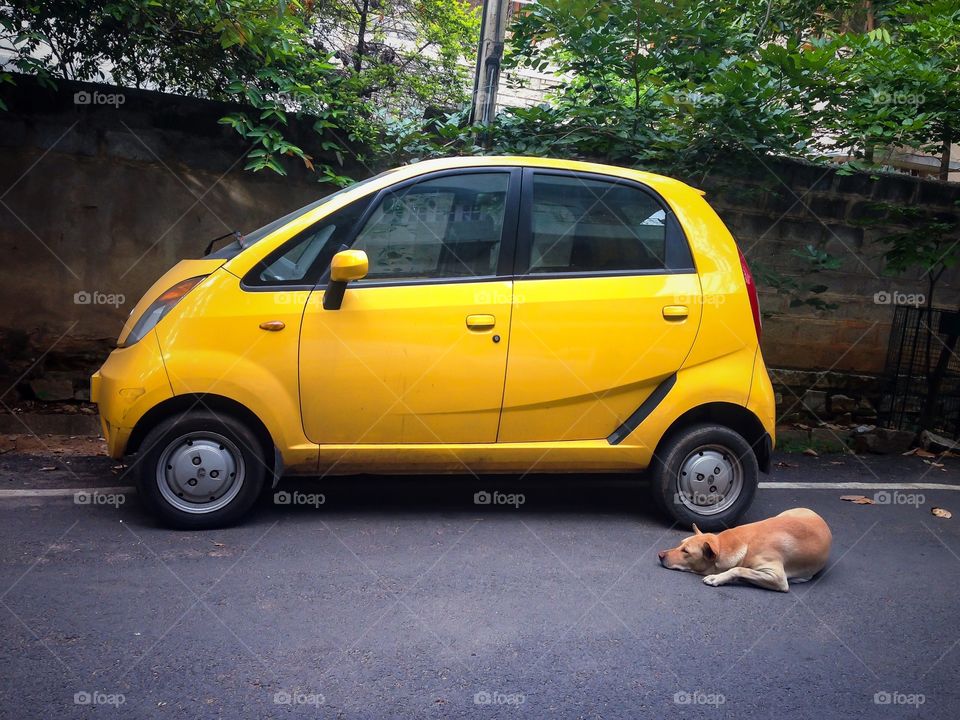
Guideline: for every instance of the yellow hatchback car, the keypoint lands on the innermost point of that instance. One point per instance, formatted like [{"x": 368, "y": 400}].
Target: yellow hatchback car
[{"x": 464, "y": 315}]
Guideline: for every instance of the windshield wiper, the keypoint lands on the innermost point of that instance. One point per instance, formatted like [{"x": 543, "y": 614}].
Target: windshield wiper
[{"x": 235, "y": 234}]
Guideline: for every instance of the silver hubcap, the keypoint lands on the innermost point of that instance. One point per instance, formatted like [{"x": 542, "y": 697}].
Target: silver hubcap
[
  {"x": 200, "y": 472},
  {"x": 710, "y": 480}
]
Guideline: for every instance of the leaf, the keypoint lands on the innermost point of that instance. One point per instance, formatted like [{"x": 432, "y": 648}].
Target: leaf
[
  {"x": 941, "y": 513},
  {"x": 811, "y": 452},
  {"x": 857, "y": 499}
]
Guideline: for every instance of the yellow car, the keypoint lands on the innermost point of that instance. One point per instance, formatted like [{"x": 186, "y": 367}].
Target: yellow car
[{"x": 463, "y": 315}]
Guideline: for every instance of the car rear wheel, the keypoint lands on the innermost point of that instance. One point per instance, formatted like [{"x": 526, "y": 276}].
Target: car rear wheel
[
  {"x": 200, "y": 470},
  {"x": 704, "y": 474}
]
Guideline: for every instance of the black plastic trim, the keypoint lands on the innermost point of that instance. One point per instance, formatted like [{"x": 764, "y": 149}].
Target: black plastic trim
[
  {"x": 764, "y": 453},
  {"x": 277, "y": 467},
  {"x": 642, "y": 412}
]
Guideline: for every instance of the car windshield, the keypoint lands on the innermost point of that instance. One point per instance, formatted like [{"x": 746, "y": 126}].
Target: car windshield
[{"x": 248, "y": 239}]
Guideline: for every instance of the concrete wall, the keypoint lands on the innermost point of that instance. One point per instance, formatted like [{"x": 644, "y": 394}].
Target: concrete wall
[
  {"x": 776, "y": 208},
  {"x": 102, "y": 198}
]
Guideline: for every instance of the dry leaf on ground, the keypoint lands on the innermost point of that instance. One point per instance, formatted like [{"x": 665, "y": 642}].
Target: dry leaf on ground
[
  {"x": 811, "y": 452},
  {"x": 857, "y": 499},
  {"x": 782, "y": 464},
  {"x": 941, "y": 513}
]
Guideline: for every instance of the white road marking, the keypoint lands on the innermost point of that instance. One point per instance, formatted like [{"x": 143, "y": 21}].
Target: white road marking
[
  {"x": 128, "y": 489},
  {"x": 66, "y": 492},
  {"x": 855, "y": 486}
]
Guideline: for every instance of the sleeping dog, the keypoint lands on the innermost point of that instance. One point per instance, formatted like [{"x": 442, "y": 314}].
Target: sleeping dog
[{"x": 794, "y": 545}]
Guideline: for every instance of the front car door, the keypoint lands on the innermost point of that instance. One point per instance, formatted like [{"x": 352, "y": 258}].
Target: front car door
[
  {"x": 606, "y": 306},
  {"x": 417, "y": 351}
]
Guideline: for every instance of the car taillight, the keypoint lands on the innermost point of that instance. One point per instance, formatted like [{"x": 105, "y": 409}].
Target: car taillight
[{"x": 752, "y": 293}]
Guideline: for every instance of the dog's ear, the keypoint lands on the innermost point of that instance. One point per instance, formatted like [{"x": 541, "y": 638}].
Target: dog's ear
[
  {"x": 711, "y": 549},
  {"x": 696, "y": 530}
]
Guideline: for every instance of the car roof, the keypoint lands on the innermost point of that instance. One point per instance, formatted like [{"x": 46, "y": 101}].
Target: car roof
[{"x": 661, "y": 182}]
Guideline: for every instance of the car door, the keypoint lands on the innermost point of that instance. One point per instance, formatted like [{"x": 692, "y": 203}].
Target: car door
[
  {"x": 417, "y": 351},
  {"x": 606, "y": 306}
]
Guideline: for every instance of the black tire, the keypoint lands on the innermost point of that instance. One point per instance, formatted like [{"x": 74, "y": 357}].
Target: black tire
[
  {"x": 679, "y": 447},
  {"x": 172, "y": 441}
]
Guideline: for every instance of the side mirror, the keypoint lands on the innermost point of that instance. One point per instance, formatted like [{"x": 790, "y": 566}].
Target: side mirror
[{"x": 346, "y": 265}]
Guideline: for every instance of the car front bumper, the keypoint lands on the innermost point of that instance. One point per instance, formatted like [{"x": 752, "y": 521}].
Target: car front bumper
[{"x": 131, "y": 382}]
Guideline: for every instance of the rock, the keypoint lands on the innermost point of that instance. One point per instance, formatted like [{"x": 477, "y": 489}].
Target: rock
[
  {"x": 844, "y": 419},
  {"x": 896, "y": 441},
  {"x": 827, "y": 440},
  {"x": 937, "y": 443},
  {"x": 883, "y": 441},
  {"x": 842, "y": 404},
  {"x": 867, "y": 443},
  {"x": 52, "y": 388},
  {"x": 865, "y": 406},
  {"x": 815, "y": 401}
]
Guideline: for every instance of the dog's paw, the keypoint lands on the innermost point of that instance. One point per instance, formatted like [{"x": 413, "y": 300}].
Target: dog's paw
[{"x": 712, "y": 580}]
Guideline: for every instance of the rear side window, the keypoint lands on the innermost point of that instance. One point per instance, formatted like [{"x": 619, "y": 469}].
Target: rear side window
[{"x": 588, "y": 225}]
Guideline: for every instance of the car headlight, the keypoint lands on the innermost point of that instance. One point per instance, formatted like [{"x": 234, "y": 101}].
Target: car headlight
[{"x": 160, "y": 307}]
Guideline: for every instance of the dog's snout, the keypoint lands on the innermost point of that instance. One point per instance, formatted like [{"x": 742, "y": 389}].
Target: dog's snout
[{"x": 662, "y": 554}]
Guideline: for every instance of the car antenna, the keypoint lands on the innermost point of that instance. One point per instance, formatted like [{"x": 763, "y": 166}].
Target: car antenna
[{"x": 237, "y": 235}]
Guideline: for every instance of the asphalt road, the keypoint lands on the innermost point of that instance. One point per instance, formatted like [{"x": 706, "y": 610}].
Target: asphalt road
[{"x": 401, "y": 598}]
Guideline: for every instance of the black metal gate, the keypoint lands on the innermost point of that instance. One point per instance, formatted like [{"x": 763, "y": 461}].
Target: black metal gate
[{"x": 923, "y": 344}]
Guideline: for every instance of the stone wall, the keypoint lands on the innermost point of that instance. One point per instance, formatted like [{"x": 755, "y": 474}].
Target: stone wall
[
  {"x": 97, "y": 199},
  {"x": 776, "y": 208}
]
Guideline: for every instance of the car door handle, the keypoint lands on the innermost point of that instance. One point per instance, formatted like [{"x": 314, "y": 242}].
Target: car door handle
[
  {"x": 481, "y": 322},
  {"x": 675, "y": 312}
]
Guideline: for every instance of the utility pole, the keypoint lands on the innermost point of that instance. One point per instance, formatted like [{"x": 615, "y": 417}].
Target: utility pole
[{"x": 493, "y": 27}]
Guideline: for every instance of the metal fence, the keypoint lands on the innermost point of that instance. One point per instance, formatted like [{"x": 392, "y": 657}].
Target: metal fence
[{"x": 922, "y": 341}]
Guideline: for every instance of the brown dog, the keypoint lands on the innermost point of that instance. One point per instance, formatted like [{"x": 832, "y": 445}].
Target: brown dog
[{"x": 794, "y": 545}]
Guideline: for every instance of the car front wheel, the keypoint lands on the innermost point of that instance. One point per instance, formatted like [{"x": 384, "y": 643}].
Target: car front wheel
[
  {"x": 200, "y": 470},
  {"x": 704, "y": 474}
]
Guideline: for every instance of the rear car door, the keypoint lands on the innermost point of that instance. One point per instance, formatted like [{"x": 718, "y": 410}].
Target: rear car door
[{"x": 607, "y": 304}]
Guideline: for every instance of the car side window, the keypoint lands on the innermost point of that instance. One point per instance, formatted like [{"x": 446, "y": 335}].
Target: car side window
[
  {"x": 304, "y": 258},
  {"x": 445, "y": 227},
  {"x": 582, "y": 224}
]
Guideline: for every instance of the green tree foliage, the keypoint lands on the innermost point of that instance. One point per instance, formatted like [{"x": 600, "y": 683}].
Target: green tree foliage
[
  {"x": 898, "y": 85},
  {"x": 679, "y": 83},
  {"x": 339, "y": 62}
]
